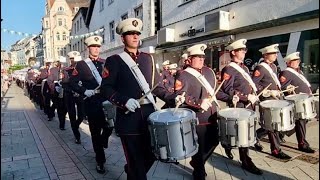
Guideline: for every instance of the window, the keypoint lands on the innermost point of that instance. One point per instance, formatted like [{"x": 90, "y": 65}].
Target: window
[
  {"x": 110, "y": 1},
  {"x": 78, "y": 46},
  {"x": 76, "y": 9},
  {"x": 64, "y": 36},
  {"x": 80, "y": 22},
  {"x": 74, "y": 26},
  {"x": 64, "y": 21},
  {"x": 59, "y": 22},
  {"x": 102, "y": 34},
  {"x": 78, "y": 25},
  {"x": 81, "y": 45},
  {"x": 138, "y": 13},
  {"x": 101, "y": 5},
  {"x": 125, "y": 16},
  {"x": 58, "y": 51},
  {"x": 64, "y": 51},
  {"x": 111, "y": 27},
  {"x": 58, "y": 36},
  {"x": 60, "y": 8}
]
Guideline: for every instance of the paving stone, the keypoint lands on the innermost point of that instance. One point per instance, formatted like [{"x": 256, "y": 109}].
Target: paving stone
[
  {"x": 14, "y": 165},
  {"x": 36, "y": 162}
]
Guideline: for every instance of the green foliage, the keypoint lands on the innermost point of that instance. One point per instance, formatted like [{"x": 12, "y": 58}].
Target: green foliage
[{"x": 17, "y": 67}]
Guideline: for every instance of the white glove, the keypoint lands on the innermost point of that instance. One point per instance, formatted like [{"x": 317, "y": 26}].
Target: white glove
[
  {"x": 205, "y": 104},
  {"x": 89, "y": 93},
  {"x": 132, "y": 104},
  {"x": 290, "y": 88},
  {"x": 275, "y": 93},
  {"x": 58, "y": 88},
  {"x": 266, "y": 93},
  {"x": 235, "y": 99},
  {"x": 180, "y": 99},
  {"x": 253, "y": 98}
]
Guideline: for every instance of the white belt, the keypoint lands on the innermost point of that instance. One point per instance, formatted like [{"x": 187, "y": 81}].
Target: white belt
[{"x": 144, "y": 101}]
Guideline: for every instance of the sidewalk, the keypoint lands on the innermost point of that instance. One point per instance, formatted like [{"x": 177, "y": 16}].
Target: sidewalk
[{"x": 34, "y": 148}]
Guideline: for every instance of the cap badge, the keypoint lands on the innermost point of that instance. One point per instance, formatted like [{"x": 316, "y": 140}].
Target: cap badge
[
  {"x": 96, "y": 38},
  {"x": 135, "y": 23},
  {"x": 74, "y": 53},
  {"x": 202, "y": 48}
]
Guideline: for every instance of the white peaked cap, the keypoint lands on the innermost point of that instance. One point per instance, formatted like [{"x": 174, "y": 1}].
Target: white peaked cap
[
  {"x": 197, "y": 49},
  {"x": 130, "y": 24},
  {"x": 292, "y": 56},
  {"x": 241, "y": 43},
  {"x": 270, "y": 49}
]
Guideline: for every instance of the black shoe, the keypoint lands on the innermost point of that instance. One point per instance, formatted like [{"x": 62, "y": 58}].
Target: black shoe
[
  {"x": 281, "y": 155},
  {"x": 258, "y": 147},
  {"x": 62, "y": 128},
  {"x": 228, "y": 153},
  {"x": 251, "y": 167},
  {"x": 306, "y": 150},
  {"x": 78, "y": 141},
  {"x": 281, "y": 137},
  {"x": 100, "y": 168},
  {"x": 50, "y": 119},
  {"x": 193, "y": 166}
]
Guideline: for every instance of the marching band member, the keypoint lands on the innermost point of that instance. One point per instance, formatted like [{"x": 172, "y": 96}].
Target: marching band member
[
  {"x": 54, "y": 79},
  {"x": 126, "y": 78},
  {"x": 170, "y": 78},
  {"x": 198, "y": 83},
  {"x": 264, "y": 74},
  {"x": 240, "y": 88},
  {"x": 89, "y": 72},
  {"x": 290, "y": 78},
  {"x": 44, "y": 73},
  {"x": 71, "y": 98}
]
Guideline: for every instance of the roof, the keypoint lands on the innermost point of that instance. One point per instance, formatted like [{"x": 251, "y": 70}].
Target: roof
[
  {"x": 78, "y": 3},
  {"x": 83, "y": 12},
  {"x": 89, "y": 13}
]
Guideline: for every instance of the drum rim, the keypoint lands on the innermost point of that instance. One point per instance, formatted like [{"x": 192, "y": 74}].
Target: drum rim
[
  {"x": 251, "y": 111},
  {"x": 268, "y": 101},
  {"x": 193, "y": 115},
  {"x": 296, "y": 95}
]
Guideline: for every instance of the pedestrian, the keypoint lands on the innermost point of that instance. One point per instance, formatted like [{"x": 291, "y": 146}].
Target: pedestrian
[
  {"x": 199, "y": 94},
  {"x": 265, "y": 73},
  {"x": 73, "y": 99},
  {"x": 126, "y": 78},
  {"x": 239, "y": 85},
  {"x": 86, "y": 80},
  {"x": 290, "y": 78}
]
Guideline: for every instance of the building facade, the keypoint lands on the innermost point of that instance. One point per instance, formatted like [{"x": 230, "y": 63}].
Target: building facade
[
  {"x": 293, "y": 24},
  {"x": 56, "y": 25}
]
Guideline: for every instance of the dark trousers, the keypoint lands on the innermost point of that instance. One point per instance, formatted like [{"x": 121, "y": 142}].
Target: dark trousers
[
  {"x": 98, "y": 126},
  {"x": 208, "y": 139},
  {"x": 273, "y": 138},
  {"x": 300, "y": 129},
  {"x": 61, "y": 109},
  {"x": 139, "y": 156},
  {"x": 75, "y": 116}
]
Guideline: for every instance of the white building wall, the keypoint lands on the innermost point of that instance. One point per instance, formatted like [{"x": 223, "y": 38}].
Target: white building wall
[
  {"x": 242, "y": 13},
  {"x": 83, "y": 30},
  {"x": 113, "y": 12}
]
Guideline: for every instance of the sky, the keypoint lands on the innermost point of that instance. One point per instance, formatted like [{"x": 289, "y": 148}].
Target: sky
[{"x": 21, "y": 16}]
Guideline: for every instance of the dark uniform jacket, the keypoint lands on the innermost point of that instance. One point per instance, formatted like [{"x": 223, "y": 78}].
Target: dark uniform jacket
[
  {"x": 234, "y": 83},
  {"x": 83, "y": 73},
  {"x": 195, "y": 93},
  {"x": 119, "y": 85},
  {"x": 286, "y": 78},
  {"x": 169, "y": 82},
  {"x": 262, "y": 78},
  {"x": 67, "y": 73}
]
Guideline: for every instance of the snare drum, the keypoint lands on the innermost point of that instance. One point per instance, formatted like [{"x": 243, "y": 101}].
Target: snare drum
[
  {"x": 110, "y": 112},
  {"x": 173, "y": 137},
  {"x": 277, "y": 115},
  {"x": 237, "y": 127},
  {"x": 304, "y": 105}
]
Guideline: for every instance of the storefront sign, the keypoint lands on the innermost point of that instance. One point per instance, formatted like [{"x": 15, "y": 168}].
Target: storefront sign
[{"x": 192, "y": 32}]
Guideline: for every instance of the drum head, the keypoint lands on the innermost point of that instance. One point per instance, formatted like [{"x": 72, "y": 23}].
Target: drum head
[
  {"x": 235, "y": 113},
  {"x": 167, "y": 116},
  {"x": 274, "y": 103},
  {"x": 297, "y": 97}
]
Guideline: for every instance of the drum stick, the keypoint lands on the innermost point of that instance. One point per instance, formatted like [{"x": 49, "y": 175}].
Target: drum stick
[
  {"x": 178, "y": 104},
  {"x": 260, "y": 93},
  {"x": 214, "y": 95},
  {"x": 289, "y": 89},
  {"x": 145, "y": 95},
  {"x": 94, "y": 89}
]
